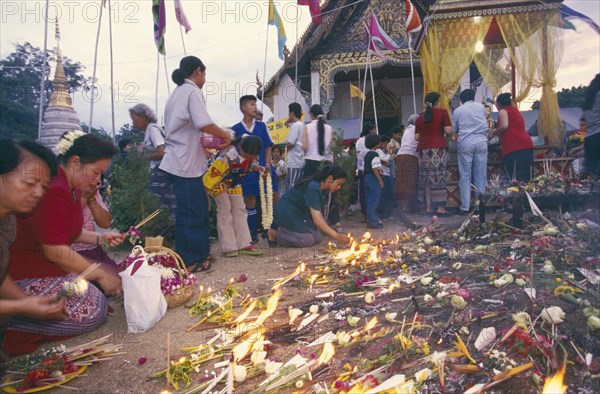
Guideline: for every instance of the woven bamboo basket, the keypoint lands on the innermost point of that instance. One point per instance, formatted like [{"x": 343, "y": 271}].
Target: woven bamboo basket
[
  {"x": 184, "y": 294},
  {"x": 153, "y": 241}
]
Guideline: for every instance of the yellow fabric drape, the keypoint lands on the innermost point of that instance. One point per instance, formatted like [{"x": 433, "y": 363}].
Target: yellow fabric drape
[
  {"x": 518, "y": 32},
  {"x": 495, "y": 75},
  {"x": 447, "y": 51},
  {"x": 550, "y": 124}
]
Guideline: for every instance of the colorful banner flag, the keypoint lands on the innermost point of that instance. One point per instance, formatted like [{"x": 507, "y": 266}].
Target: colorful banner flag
[
  {"x": 569, "y": 14},
  {"x": 376, "y": 33},
  {"x": 160, "y": 24},
  {"x": 413, "y": 21},
  {"x": 314, "y": 8},
  {"x": 356, "y": 92},
  {"x": 180, "y": 15},
  {"x": 372, "y": 48},
  {"x": 275, "y": 19}
]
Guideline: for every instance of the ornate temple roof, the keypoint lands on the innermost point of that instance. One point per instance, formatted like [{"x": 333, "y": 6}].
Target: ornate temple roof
[
  {"x": 59, "y": 116},
  {"x": 447, "y": 9},
  {"x": 341, "y": 39}
]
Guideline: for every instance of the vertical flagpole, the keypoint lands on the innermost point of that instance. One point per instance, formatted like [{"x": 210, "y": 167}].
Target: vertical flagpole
[
  {"x": 296, "y": 68},
  {"x": 364, "y": 102},
  {"x": 182, "y": 40},
  {"x": 112, "y": 79},
  {"x": 373, "y": 94},
  {"x": 157, "y": 75},
  {"x": 94, "y": 72},
  {"x": 264, "y": 84},
  {"x": 412, "y": 73},
  {"x": 43, "y": 78},
  {"x": 166, "y": 74}
]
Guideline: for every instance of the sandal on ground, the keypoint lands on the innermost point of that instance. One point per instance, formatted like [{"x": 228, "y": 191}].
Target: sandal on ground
[
  {"x": 200, "y": 266},
  {"x": 250, "y": 250},
  {"x": 233, "y": 253},
  {"x": 272, "y": 244}
]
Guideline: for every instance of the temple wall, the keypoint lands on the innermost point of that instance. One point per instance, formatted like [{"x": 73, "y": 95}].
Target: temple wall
[
  {"x": 287, "y": 93},
  {"x": 344, "y": 107}
]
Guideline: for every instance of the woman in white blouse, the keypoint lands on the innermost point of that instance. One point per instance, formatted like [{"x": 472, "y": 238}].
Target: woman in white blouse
[{"x": 316, "y": 141}]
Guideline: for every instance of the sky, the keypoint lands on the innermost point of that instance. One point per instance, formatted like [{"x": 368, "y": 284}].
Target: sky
[{"x": 230, "y": 36}]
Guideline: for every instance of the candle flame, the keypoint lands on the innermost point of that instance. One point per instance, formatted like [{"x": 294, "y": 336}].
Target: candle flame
[
  {"x": 373, "y": 257},
  {"x": 247, "y": 312},
  {"x": 367, "y": 236},
  {"x": 302, "y": 267},
  {"x": 271, "y": 306},
  {"x": 327, "y": 353},
  {"x": 555, "y": 385},
  {"x": 181, "y": 360},
  {"x": 313, "y": 277}
]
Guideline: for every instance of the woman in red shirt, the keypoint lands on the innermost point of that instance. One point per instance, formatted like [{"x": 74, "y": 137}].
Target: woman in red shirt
[
  {"x": 517, "y": 146},
  {"x": 41, "y": 257},
  {"x": 430, "y": 130}
]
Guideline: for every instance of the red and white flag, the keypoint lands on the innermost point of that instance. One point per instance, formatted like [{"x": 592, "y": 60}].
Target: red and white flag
[
  {"x": 413, "y": 21},
  {"x": 375, "y": 33},
  {"x": 180, "y": 15},
  {"x": 315, "y": 9}
]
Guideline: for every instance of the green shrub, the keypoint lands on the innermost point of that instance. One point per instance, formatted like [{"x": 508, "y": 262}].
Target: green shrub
[
  {"x": 130, "y": 201},
  {"x": 348, "y": 163}
]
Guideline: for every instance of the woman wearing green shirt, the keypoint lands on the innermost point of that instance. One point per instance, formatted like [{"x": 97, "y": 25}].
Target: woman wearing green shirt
[{"x": 299, "y": 219}]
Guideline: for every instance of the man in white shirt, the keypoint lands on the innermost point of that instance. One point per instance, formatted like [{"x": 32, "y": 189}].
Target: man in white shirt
[
  {"x": 295, "y": 153},
  {"x": 470, "y": 123}
]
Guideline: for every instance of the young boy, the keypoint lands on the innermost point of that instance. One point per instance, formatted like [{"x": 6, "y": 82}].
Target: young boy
[
  {"x": 223, "y": 181},
  {"x": 249, "y": 125},
  {"x": 373, "y": 181},
  {"x": 387, "y": 194}
]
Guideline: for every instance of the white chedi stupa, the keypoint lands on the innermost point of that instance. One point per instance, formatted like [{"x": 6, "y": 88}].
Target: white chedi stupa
[{"x": 59, "y": 116}]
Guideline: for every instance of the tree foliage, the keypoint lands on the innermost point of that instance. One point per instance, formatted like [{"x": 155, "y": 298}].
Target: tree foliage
[
  {"x": 130, "y": 200},
  {"x": 568, "y": 98},
  {"x": 348, "y": 163},
  {"x": 20, "y": 83}
]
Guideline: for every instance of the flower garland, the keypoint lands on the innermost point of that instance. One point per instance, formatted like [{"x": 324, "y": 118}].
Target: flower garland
[
  {"x": 67, "y": 141},
  {"x": 266, "y": 200}
]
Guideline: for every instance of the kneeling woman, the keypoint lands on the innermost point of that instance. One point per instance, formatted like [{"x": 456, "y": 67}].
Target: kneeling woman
[
  {"x": 41, "y": 257},
  {"x": 298, "y": 217}
]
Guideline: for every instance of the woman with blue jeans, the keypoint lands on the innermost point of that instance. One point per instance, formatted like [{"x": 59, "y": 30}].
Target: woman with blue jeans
[
  {"x": 470, "y": 123},
  {"x": 186, "y": 117}
]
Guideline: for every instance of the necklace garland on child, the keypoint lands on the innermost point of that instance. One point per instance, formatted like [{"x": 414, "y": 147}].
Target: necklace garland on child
[{"x": 266, "y": 200}]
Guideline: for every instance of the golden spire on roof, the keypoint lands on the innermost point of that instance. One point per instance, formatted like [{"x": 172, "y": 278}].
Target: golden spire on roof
[{"x": 60, "y": 94}]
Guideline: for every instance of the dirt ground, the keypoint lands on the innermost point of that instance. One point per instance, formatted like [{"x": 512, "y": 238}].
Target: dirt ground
[{"x": 125, "y": 375}]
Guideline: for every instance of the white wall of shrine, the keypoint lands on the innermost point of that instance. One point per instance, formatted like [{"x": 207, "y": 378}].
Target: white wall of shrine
[
  {"x": 345, "y": 107},
  {"x": 287, "y": 93}
]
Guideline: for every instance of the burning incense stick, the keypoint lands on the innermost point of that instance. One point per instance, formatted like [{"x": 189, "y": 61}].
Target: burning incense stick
[{"x": 147, "y": 219}]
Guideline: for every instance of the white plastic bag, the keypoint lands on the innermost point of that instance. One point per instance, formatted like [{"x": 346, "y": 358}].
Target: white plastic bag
[{"x": 145, "y": 304}]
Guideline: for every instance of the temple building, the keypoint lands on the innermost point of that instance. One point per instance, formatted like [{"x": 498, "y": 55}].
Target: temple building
[
  {"x": 492, "y": 46},
  {"x": 332, "y": 55},
  {"x": 59, "y": 116}
]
